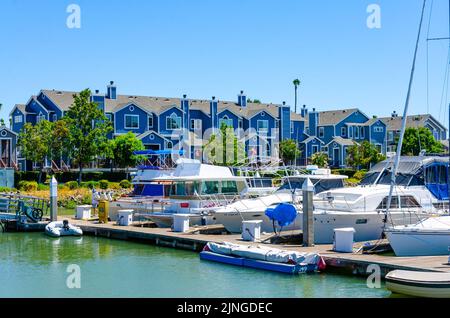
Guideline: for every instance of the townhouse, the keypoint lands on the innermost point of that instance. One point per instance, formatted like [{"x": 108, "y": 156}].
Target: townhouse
[{"x": 165, "y": 123}]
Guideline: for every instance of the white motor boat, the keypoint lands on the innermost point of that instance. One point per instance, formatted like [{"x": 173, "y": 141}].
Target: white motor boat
[
  {"x": 419, "y": 284},
  {"x": 426, "y": 238},
  {"x": 232, "y": 215},
  {"x": 62, "y": 228}
]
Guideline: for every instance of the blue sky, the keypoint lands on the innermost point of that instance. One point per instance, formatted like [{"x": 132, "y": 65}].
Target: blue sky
[{"x": 205, "y": 48}]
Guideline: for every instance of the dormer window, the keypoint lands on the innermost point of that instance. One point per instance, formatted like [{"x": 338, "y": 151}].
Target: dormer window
[
  {"x": 225, "y": 120},
  {"x": 173, "y": 122}
]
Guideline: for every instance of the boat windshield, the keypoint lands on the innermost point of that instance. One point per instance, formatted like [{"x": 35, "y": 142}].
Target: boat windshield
[
  {"x": 193, "y": 188},
  {"x": 320, "y": 185}
]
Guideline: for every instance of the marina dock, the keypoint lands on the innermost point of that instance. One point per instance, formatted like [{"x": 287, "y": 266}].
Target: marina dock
[{"x": 355, "y": 264}]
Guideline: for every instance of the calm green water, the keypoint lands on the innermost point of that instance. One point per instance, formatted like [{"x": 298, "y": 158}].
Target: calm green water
[{"x": 34, "y": 265}]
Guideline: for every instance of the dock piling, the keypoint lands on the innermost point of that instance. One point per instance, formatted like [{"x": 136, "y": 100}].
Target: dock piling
[
  {"x": 308, "y": 216},
  {"x": 53, "y": 199}
]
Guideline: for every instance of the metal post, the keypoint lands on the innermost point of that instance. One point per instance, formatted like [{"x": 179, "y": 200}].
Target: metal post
[
  {"x": 308, "y": 213},
  {"x": 53, "y": 200}
]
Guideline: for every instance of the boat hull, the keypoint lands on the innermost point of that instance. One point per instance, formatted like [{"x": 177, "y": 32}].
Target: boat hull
[
  {"x": 368, "y": 225},
  {"x": 413, "y": 243}
]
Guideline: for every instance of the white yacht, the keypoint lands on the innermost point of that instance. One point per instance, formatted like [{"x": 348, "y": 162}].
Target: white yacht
[
  {"x": 232, "y": 215},
  {"x": 414, "y": 198}
]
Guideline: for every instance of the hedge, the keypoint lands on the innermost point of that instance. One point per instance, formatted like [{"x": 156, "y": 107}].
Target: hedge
[{"x": 64, "y": 177}]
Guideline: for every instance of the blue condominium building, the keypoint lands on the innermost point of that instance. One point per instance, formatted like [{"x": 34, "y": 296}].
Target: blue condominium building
[{"x": 165, "y": 123}]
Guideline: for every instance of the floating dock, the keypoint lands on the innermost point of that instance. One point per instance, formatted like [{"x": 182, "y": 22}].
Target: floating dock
[{"x": 197, "y": 238}]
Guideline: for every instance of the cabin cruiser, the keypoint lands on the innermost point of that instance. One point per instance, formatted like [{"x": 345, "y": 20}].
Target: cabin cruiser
[
  {"x": 194, "y": 189},
  {"x": 232, "y": 215},
  {"x": 420, "y": 192}
]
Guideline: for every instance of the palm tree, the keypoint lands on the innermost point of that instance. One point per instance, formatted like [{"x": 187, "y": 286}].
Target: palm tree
[{"x": 296, "y": 83}]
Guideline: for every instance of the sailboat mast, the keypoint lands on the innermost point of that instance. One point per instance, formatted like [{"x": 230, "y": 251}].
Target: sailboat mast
[{"x": 405, "y": 114}]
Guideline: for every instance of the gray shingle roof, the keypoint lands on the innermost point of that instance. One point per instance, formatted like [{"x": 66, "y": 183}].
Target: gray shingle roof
[
  {"x": 343, "y": 141},
  {"x": 64, "y": 100},
  {"x": 413, "y": 121},
  {"x": 332, "y": 117}
]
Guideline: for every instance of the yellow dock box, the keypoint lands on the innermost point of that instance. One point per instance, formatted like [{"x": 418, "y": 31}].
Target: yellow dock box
[{"x": 103, "y": 211}]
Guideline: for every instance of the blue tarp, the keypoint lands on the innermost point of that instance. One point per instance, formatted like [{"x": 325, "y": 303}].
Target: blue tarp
[{"x": 284, "y": 214}]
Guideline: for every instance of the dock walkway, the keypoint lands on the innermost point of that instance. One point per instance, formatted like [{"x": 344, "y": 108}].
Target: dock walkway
[{"x": 355, "y": 263}]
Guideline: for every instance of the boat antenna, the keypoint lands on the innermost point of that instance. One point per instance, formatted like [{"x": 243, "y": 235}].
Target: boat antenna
[{"x": 405, "y": 114}]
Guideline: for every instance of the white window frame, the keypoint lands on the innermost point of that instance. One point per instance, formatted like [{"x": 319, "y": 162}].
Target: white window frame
[
  {"x": 109, "y": 117},
  {"x": 350, "y": 132},
  {"x": 390, "y": 136},
  {"x": 125, "y": 121},
  {"x": 196, "y": 124},
  {"x": 262, "y": 129},
  {"x": 343, "y": 131},
  {"x": 292, "y": 128},
  {"x": 321, "y": 132},
  {"x": 18, "y": 119},
  {"x": 379, "y": 129},
  {"x": 362, "y": 132},
  {"x": 315, "y": 147},
  {"x": 357, "y": 132},
  {"x": 55, "y": 117},
  {"x": 176, "y": 119},
  {"x": 240, "y": 123},
  {"x": 40, "y": 118}
]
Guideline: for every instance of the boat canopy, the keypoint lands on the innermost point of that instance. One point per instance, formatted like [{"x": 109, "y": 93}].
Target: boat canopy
[
  {"x": 431, "y": 172},
  {"x": 150, "y": 152}
]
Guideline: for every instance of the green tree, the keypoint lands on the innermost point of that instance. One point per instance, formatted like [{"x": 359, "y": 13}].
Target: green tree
[
  {"x": 289, "y": 150},
  {"x": 417, "y": 139},
  {"x": 296, "y": 83},
  {"x": 363, "y": 155},
  {"x": 122, "y": 149},
  {"x": 224, "y": 148},
  {"x": 59, "y": 142},
  {"x": 320, "y": 159},
  {"x": 88, "y": 128},
  {"x": 34, "y": 142}
]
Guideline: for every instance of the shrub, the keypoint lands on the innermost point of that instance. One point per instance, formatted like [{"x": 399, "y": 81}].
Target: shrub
[
  {"x": 103, "y": 184},
  {"x": 87, "y": 199},
  {"x": 6, "y": 189},
  {"x": 125, "y": 184},
  {"x": 114, "y": 186},
  {"x": 90, "y": 184},
  {"x": 28, "y": 186},
  {"x": 72, "y": 185},
  {"x": 71, "y": 204},
  {"x": 360, "y": 174},
  {"x": 43, "y": 187}
]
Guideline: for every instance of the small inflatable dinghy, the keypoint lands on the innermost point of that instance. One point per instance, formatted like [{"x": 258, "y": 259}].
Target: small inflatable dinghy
[
  {"x": 419, "y": 284},
  {"x": 62, "y": 228}
]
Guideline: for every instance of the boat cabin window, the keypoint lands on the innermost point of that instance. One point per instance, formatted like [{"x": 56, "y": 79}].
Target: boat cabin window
[
  {"x": 229, "y": 187},
  {"x": 383, "y": 204},
  {"x": 184, "y": 188},
  {"x": 408, "y": 201},
  {"x": 210, "y": 187}
]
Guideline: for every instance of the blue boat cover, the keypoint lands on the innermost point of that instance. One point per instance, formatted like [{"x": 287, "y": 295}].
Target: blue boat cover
[
  {"x": 158, "y": 152},
  {"x": 283, "y": 213}
]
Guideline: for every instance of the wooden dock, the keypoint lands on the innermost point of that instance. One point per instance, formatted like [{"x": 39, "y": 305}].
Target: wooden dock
[{"x": 195, "y": 240}]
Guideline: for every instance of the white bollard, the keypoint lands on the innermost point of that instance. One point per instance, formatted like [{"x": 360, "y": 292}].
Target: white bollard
[
  {"x": 343, "y": 240},
  {"x": 125, "y": 217}
]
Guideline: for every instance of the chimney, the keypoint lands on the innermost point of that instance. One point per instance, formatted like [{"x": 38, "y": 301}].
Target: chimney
[
  {"x": 242, "y": 99},
  {"x": 304, "y": 111},
  {"x": 111, "y": 91}
]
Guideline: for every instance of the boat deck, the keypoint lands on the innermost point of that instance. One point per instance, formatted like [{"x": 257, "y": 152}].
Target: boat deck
[{"x": 355, "y": 263}]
